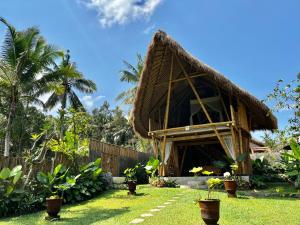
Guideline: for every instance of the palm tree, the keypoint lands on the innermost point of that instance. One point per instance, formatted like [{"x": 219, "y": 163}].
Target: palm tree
[
  {"x": 131, "y": 75},
  {"x": 24, "y": 54},
  {"x": 61, "y": 82}
]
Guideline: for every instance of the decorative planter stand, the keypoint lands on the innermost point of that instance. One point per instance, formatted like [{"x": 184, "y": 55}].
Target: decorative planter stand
[
  {"x": 230, "y": 187},
  {"x": 131, "y": 188},
  {"x": 210, "y": 211},
  {"x": 53, "y": 208}
]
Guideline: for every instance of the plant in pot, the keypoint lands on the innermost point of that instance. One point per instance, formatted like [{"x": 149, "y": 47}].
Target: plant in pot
[
  {"x": 55, "y": 184},
  {"x": 210, "y": 207},
  {"x": 230, "y": 181},
  {"x": 130, "y": 179}
]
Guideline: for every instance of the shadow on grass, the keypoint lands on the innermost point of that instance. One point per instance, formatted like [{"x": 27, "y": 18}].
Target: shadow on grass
[{"x": 91, "y": 216}]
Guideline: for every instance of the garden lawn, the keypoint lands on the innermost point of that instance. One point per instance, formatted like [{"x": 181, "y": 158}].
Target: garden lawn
[{"x": 116, "y": 208}]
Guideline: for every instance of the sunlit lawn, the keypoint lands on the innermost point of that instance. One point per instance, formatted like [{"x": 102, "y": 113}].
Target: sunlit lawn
[{"x": 115, "y": 207}]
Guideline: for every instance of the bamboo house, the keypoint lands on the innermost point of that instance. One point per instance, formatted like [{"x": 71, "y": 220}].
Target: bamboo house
[{"x": 194, "y": 114}]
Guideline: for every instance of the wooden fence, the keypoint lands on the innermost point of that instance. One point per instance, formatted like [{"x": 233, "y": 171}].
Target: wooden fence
[{"x": 114, "y": 158}]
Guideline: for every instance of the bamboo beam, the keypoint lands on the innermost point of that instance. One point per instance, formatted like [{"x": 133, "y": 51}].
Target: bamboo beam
[
  {"x": 223, "y": 104},
  {"x": 202, "y": 106},
  {"x": 191, "y": 127},
  {"x": 181, "y": 79},
  {"x": 166, "y": 119},
  {"x": 182, "y": 161},
  {"x": 194, "y": 137}
]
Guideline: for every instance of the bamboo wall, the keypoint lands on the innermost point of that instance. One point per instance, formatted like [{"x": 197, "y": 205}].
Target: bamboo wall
[{"x": 115, "y": 159}]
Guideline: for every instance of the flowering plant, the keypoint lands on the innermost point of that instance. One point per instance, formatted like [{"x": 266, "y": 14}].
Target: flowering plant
[
  {"x": 196, "y": 171},
  {"x": 232, "y": 175}
]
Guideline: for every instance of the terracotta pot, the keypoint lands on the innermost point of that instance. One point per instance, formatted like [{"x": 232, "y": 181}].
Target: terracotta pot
[
  {"x": 53, "y": 207},
  {"x": 131, "y": 187},
  {"x": 210, "y": 211},
  {"x": 230, "y": 187}
]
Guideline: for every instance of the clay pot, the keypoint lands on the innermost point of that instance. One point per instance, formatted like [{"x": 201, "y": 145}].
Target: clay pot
[
  {"x": 53, "y": 207},
  {"x": 131, "y": 187},
  {"x": 230, "y": 187},
  {"x": 210, "y": 211}
]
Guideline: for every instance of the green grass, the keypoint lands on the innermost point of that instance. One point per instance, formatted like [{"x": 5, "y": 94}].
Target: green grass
[{"x": 116, "y": 208}]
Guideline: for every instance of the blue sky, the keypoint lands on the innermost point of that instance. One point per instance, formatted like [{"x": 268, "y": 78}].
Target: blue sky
[{"x": 253, "y": 42}]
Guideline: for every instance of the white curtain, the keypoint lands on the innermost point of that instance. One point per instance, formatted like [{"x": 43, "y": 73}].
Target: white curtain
[
  {"x": 229, "y": 144},
  {"x": 168, "y": 151}
]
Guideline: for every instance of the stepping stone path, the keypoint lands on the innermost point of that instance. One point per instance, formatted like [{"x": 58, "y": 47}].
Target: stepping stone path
[
  {"x": 154, "y": 210},
  {"x": 136, "y": 221},
  {"x": 157, "y": 209},
  {"x": 147, "y": 215}
]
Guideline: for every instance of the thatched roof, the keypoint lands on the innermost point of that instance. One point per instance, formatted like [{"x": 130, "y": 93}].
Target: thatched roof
[{"x": 157, "y": 70}]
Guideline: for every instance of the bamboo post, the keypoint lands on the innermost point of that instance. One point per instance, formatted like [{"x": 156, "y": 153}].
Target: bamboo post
[
  {"x": 163, "y": 149},
  {"x": 203, "y": 107}
]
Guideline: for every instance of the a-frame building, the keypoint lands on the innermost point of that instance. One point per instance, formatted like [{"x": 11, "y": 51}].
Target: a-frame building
[{"x": 194, "y": 115}]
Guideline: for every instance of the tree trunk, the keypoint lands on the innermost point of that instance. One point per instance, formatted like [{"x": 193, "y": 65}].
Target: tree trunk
[{"x": 8, "y": 130}]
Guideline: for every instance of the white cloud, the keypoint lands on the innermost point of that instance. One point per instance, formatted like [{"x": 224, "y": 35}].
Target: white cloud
[
  {"x": 89, "y": 101},
  {"x": 120, "y": 12},
  {"x": 149, "y": 29}
]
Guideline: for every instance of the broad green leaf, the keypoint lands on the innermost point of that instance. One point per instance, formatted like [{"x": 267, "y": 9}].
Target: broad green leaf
[
  {"x": 97, "y": 162},
  {"x": 42, "y": 178},
  {"x": 15, "y": 170},
  {"x": 17, "y": 177},
  {"x": 57, "y": 169},
  {"x": 4, "y": 174},
  {"x": 9, "y": 190},
  {"x": 295, "y": 149}
]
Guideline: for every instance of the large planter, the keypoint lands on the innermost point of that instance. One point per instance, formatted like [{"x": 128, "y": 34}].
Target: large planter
[
  {"x": 210, "y": 211},
  {"x": 131, "y": 187},
  {"x": 53, "y": 207},
  {"x": 230, "y": 187}
]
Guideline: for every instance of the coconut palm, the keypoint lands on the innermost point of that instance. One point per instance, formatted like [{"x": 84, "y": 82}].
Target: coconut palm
[
  {"x": 24, "y": 54},
  {"x": 61, "y": 82},
  {"x": 131, "y": 75}
]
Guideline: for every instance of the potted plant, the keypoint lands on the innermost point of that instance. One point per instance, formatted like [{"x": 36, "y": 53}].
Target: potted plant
[
  {"x": 230, "y": 182},
  {"x": 130, "y": 179},
  {"x": 55, "y": 184},
  {"x": 210, "y": 207}
]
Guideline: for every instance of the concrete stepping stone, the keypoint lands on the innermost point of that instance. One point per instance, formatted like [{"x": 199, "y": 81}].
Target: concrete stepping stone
[
  {"x": 147, "y": 215},
  {"x": 161, "y": 206},
  {"x": 154, "y": 210},
  {"x": 137, "y": 220}
]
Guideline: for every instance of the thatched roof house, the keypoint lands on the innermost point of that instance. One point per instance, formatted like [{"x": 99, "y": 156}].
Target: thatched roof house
[{"x": 178, "y": 96}]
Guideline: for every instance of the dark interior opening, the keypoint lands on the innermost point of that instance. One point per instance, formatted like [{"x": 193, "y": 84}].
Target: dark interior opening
[{"x": 203, "y": 154}]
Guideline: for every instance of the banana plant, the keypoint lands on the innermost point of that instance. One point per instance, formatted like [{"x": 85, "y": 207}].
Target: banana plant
[{"x": 293, "y": 161}]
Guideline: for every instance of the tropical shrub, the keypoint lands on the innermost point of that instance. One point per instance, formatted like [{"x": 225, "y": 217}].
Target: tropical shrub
[
  {"x": 292, "y": 162},
  {"x": 162, "y": 182},
  {"x": 152, "y": 167},
  {"x": 10, "y": 195},
  {"x": 141, "y": 174},
  {"x": 130, "y": 174},
  {"x": 90, "y": 182}
]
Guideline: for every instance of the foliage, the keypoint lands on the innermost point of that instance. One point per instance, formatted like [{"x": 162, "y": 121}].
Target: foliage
[
  {"x": 162, "y": 182},
  {"x": 141, "y": 174},
  {"x": 9, "y": 195},
  {"x": 196, "y": 171},
  {"x": 212, "y": 183},
  {"x": 265, "y": 172},
  {"x": 130, "y": 174},
  {"x": 229, "y": 176},
  {"x": 131, "y": 75},
  {"x": 89, "y": 183},
  {"x": 57, "y": 182},
  {"x": 24, "y": 55},
  {"x": 111, "y": 126},
  {"x": 292, "y": 161},
  {"x": 285, "y": 97},
  {"x": 152, "y": 166}
]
